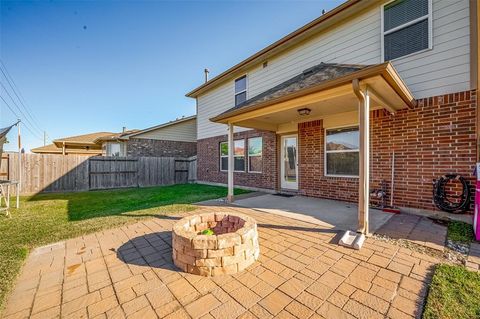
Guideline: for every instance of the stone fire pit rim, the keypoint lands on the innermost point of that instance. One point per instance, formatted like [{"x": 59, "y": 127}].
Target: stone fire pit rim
[{"x": 179, "y": 228}]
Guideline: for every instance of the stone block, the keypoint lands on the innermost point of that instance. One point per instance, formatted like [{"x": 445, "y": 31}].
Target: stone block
[
  {"x": 201, "y": 271},
  {"x": 225, "y": 270},
  {"x": 212, "y": 253},
  {"x": 205, "y": 242},
  {"x": 228, "y": 240},
  {"x": 209, "y": 262},
  {"x": 230, "y": 260}
]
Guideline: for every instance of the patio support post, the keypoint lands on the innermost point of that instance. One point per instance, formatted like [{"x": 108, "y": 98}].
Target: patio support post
[
  {"x": 231, "y": 151},
  {"x": 364, "y": 174}
]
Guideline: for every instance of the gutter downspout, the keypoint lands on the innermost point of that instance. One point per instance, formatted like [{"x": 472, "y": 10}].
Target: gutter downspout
[{"x": 364, "y": 174}]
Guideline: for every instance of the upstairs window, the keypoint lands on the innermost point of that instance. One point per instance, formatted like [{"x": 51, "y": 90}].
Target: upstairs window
[
  {"x": 240, "y": 90},
  {"x": 406, "y": 28}
]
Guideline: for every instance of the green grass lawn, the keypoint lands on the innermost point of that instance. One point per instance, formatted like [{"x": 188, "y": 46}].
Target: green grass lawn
[
  {"x": 454, "y": 294},
  {"x": 48, "y": 218},
  {"x": 460, "y": 232}
]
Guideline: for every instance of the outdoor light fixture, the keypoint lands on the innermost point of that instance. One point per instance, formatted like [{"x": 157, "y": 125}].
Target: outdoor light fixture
[{"x": 303, "y": 112}]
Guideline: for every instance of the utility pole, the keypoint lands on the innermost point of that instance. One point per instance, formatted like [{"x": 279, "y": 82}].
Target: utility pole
[
  {"x": 44, "y": 138},
  {"x": 19, "y": 181}
]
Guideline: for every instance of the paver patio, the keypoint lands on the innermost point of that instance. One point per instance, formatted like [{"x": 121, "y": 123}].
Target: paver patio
[{"x": 302, "y": 273}]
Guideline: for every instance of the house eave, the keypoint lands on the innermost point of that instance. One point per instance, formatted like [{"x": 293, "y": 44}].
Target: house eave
[{"x": 386, "y": 70}]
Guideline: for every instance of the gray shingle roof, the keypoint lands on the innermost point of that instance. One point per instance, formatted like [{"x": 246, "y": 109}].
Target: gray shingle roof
[{"x": 313, "y": 76}]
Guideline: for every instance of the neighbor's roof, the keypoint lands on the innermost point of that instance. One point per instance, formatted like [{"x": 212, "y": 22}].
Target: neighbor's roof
[
  {"x": 115, "y": 136},
  {"x": 321, "y": 77},
  {"x": 336, "y": 15},
  {"x": 53, "y": 149},
  {"x": 82, "y": 139},
  {"x": 153, "y": 128}
]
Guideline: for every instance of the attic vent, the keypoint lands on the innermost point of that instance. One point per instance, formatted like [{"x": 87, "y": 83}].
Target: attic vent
[{"x": 308, "y": 72}]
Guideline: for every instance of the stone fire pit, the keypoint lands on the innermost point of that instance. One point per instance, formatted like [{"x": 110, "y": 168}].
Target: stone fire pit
[{"x": 231, "y": 248}]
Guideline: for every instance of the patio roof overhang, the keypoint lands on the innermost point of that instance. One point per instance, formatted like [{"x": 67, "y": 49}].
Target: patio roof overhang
[
  {"x": 330, "y": 97},
  {"x": 332, "y": 89}
]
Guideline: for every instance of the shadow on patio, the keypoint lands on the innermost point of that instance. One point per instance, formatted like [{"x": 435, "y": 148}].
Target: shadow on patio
[{"x": 339, "y": 216}]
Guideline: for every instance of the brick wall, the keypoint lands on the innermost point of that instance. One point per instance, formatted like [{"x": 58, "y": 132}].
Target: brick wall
[
  {"x": 208, "y": 155},
  {"x": 159, "y": 148},
  {"x": 312, "y": 181},
  {"x": 434, "y": 138}
]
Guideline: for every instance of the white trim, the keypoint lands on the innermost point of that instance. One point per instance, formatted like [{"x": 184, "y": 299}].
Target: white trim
[
  {"x": 248, "y": 155},
  {"x": 405, "y": 25},
  {"x": 283, "y": 183},
  {"x": 222, "y": 156},
  {"x": 325, "y": 152},
  {"x": 235, "y": 93},
  {"x": 428, "y": 16}
]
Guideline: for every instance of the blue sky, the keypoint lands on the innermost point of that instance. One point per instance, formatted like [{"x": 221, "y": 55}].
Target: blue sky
[{"x": 101, "y": 65}]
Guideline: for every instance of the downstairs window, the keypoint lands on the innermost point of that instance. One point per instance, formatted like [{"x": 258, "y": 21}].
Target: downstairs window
[
  {"x": 342, "y": 152},
  {"x": 238, "y": 156}
]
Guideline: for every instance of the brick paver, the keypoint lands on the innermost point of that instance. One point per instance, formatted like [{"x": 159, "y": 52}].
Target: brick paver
[{"x": 301, "y": 273}]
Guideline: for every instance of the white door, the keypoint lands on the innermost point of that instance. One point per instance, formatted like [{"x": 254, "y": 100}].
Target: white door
[{"x": 289, "y": 162}]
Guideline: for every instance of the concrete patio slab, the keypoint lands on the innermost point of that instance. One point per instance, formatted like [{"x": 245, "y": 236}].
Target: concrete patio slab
[
  {"x": 418, "y": 229},
  {"x": 327, "y": 213},
  {"x": 128, "y": 272}
]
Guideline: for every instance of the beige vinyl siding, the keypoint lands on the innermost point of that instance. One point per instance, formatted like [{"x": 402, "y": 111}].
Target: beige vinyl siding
[
  {"x": 212, "y": 104},
  {"x": 182, "y": 132},
  {"x": 356, "y": 41},
  {"x": 446, "y": 68},
  {"x": 442, "y": 70}
]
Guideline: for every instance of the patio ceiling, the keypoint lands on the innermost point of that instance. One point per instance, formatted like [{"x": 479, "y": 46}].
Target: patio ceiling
[{"x": 324, "y": 96}]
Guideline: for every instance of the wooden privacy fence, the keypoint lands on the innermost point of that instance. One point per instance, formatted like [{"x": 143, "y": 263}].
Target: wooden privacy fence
[{"x": 59, "y": 173}]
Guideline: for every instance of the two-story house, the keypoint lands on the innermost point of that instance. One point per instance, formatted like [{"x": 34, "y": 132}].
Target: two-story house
[{"x": 329, "y": 109}]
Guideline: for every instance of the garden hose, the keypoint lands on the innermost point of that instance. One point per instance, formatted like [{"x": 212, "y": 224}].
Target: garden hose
[{"x": 443, "y": 202}]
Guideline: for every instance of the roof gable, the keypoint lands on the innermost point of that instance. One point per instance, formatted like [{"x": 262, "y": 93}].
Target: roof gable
[{"x": 336, "y": 16}]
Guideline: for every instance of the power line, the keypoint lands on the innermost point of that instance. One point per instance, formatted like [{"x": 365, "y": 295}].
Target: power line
[
  {"x": 26, "y": 126},
  {"x": 14, "y": 113},
  {"x": 15, "y": 88},
  {"x": 26, "y": 118}
]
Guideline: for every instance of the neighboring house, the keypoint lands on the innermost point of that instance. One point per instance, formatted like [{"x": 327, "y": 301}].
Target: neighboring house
[
  {"x": 85, "y": 144},
  {"x": 115, "y": 144},
  {"x": 175, "y": 138},
  {"x": 367, "y": 77}
]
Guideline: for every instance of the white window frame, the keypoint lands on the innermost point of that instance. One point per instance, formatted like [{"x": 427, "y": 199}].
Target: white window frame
[
  {"x": 235, "y": 93},
  {"x": 429, "y": 16},
  {"x": 109, "y": 149},
  {"x": 248, "y": 155},
  {"x": 221, "y": 156},
  {"x": 337, "y": 151}
]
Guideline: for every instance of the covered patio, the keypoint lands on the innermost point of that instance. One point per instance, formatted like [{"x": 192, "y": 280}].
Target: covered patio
[
  {"x": 340, "y": 94},
  {"x": 327, "y": 213}
]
